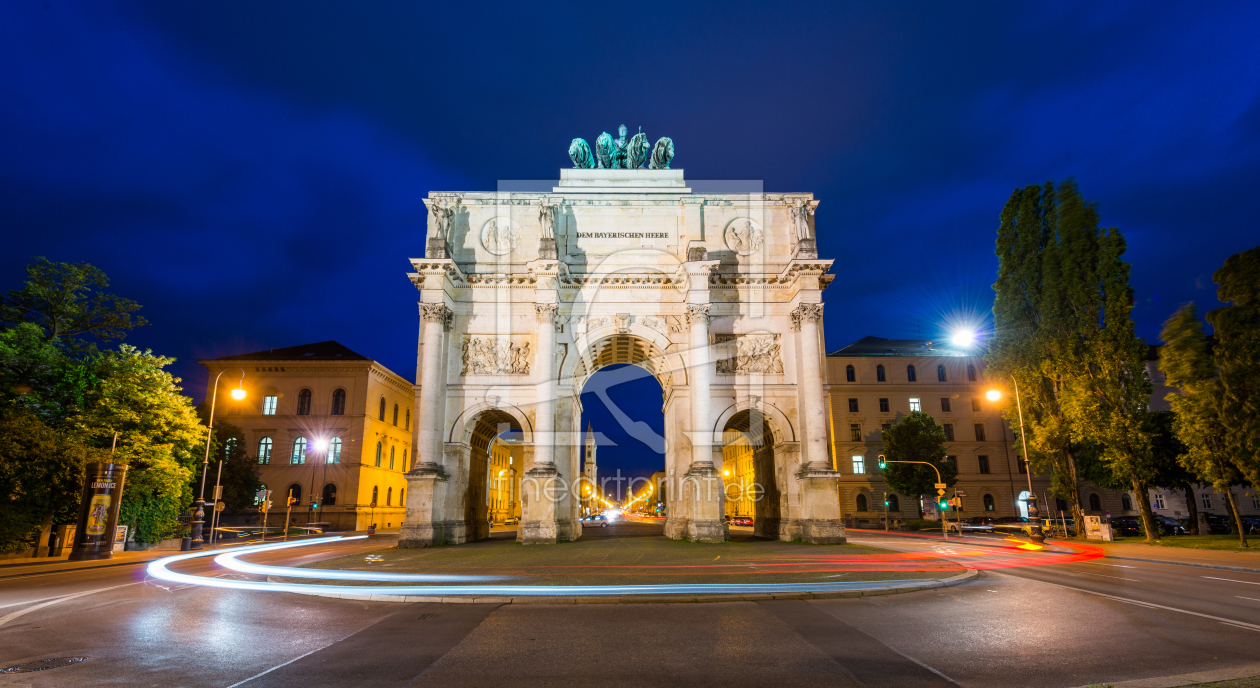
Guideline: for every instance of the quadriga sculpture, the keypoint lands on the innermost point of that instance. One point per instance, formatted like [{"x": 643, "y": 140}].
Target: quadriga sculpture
[
  {"x": 605, "y": 151},
  {"x": 637, "y": 152},
  {"x": 662, "y": 153},
  {"x": 580, "y": 154}
]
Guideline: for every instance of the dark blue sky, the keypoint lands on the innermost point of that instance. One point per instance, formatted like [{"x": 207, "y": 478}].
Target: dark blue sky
[{"x": 252, "y": 172}]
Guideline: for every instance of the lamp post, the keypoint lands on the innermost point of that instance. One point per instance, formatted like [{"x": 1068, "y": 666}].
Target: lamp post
[
  {"x": 940, "y": 490},
  {"x": 1033, "y": 513},
  {"x": 200, "y": 505}
]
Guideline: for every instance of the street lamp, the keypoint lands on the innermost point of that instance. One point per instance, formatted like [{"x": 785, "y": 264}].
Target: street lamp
[
  {"x": 200, "y": 514},
  {"x": 1033, "y": 513}
]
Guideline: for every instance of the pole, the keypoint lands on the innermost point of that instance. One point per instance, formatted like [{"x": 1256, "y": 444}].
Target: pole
[
  {"x": 200, "y": 504},
  {"x": 265, "y": 506},
  {"x": 944, "y": 523},
  {"x": 1033, "y": 514},
  {"x": 885, "y": 511},
  {"x": 288, "y": 511},
  {"x": 214, "y": 516}
]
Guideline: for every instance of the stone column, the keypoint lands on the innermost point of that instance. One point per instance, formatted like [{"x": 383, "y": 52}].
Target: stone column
[
  {"x": 818, "y": 515},
  {"x": 702, "y": 484},
  {"x": 538, "y": 520},
  {"x": 424, "y": 523}
]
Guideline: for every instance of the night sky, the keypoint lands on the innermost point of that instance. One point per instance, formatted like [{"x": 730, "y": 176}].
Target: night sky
[{"x": 252, "y": 172}]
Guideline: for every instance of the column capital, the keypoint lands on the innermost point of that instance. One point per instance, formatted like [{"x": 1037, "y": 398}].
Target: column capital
[
  {"x": 437, "y": 312},
  {"x": 697, "y": 313},
  {"x": 806, "y": 313},
  {"x": 546, "y": 313}
]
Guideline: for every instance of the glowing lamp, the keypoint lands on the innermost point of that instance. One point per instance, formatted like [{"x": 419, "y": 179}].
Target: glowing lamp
[
  {"x": 993, "y": 395},
  {"x": 964, "y": 338},
  {"x": 319, "y": 445},
  {"x": 238, "y": 394}
]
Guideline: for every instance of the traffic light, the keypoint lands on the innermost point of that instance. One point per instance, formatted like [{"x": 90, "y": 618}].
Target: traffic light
[
  {"x": 944, "y": 504},
  {"x": 882, "y": 463},
  {"x": 292, "y": 501},
  {"x": 314, "y": 503},
  {"x": 886, "y": 503}
]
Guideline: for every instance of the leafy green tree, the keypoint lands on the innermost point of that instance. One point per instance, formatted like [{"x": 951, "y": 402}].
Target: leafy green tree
[
  {"x": 240, "y": 478},
  {"x": 1236, "y": 327},
  {"x": 67, "y": 300},
  {"x": 1168, "y": 471},
  {"x": 1188, "y": 366},
  {"x": 37, "y": 375},
  {"x": 917, "y": 437},
  {"x": 159, "y": 437}
]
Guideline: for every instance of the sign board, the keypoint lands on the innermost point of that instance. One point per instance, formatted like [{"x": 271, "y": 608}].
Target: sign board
[
  {"x": 120, "y": 538},
  {"x": 940, "y": 486},
  {"x": 940, "y": 490},
  {"x": 1097, "y": 529},
  {"x": 960, "y": 493},
  {"x": 218, "y": 493},
  {"x": 98, "y": 512},
  {"x": 219, "y": 506}
]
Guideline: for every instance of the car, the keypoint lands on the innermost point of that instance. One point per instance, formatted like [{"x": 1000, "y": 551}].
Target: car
[
  {"x": 1218, "y": 525},
  {"x": 1170, "y": 526},
  {"x": 1126, "y": 526},
  {"x": 595, "y": 521},
  {"x": 1251, "y": 524},
  {"x": 740, "y": 521},
  {"x": 1013, "y": 525},
  {"x": 975, "y": 524}
]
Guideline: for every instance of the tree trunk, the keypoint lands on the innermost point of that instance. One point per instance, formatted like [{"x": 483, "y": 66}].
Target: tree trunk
[
  {"x": 1233, "y": 512},
  {"x": 1078, "y": 514},
  {"x": 45, "y": 533},
  {"x": 1144, "y": 500},
  {"x": 1193, "y": 509}
]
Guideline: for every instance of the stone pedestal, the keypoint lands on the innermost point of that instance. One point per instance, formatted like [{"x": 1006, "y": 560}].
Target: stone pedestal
[
  {"x": 702, "y": 491},
  {"x": 538, "y": 507},
  {"x": 423, "y": 525},
  {"x": 436, "y": 248},
  {"x": 819, "y": 522},
  {"x": 547, "y": 249}
]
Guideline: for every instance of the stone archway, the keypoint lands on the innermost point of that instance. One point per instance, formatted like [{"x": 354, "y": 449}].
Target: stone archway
[{"x": 524, "y": 295}]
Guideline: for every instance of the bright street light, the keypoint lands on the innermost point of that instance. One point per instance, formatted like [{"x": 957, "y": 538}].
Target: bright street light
[
  {"x": 319, "y": 445},
  {"x": 993, "y": 395},
  {"x": 238, "y": 394},
  {"x": 964, "y": 338}
]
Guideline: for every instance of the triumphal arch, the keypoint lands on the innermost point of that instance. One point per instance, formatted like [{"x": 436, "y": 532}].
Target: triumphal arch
[{"x": 525, "y": 294}]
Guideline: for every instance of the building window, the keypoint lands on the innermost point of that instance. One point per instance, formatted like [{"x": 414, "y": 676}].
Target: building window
[
  {"x": 378, "y": 454},
  {"x": 1023, "y": 466},
  {"x": 885, "y": 426},
  {"x": 859, "y": 465},
  {"x": 395, "y": 415},
  {"x": 853, "y": 406},
  {"x": 1095, "y": 504},
  {"x": 389, "y": 496},
  {"x": 949, "y": 431},
  {"x": 391, "y": 458},
  {"x": 975, "y": 405},
  {"x": 883, "y": 406},
  {"x": 299, "y": 451},
  {"x": 402, "y": 496},
  {"x": 879, "y": 373},
  {"x": 334, "y": 450},
  {"x": 269, "y": 405},
  {"x": 954, "y": 460},
  {"x": 408, "y": 425},
  {"x": 988, "y": 502},
  {"x": 910, "y": 373},
  {"x": 1207, "y": 500},
  {"x": 979, "y": 432},
  {"x": 944, "y": 404},
  {"x": 382, "y": 414},
  {"x": 404, "y": 460},
  {"x": 855, "y": 432},
  {"x": 264, "y": 450},
  {"x": 850, "y": 374},
  {"x": 304, "y": 403},
  {"x": 940, "y": 373},
  {"x": 295, "y": 493},
  {"x": 984, "y": 463},
  {"x": 915, "y": 405},
  {"x": 339, "y": 403},
  {"x": 971, "y": 373},
  {"x": 1126, "y": 504},
  {"x": 376, "y": 491},
  {"x": 330, "y": 495},
  {"x": 1255, "y": 502},
  {"x": 894, "y": 504},
  {"x": 862, "y": 504}
]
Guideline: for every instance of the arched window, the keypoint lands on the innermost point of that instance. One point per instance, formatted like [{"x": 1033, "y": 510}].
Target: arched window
[
  {"x": 389, "y": 496},
  {"x": 1126, "y": 504},
  {"x": 339, "y": 403},
  {"x": 1095, "y": 504},
  {"x": 861, "y": 503},
  {"x": 391, "y": 458},
  {"x": 402, "y": 496},
  {"x": 299, "y": 451},
  {"x": 850, "y": 374},
  {"x": 971, "y": 373},
  {"x": 940, "y": 373},
  {"x": 330, "y": 495},
  {"x": 264, "y": 450},
  {"x": 378, "y": 454},
  {"x": 375, "y": 494},
  {"x": 910, "y": 373},
  {"x": 304, "y": 403},
  {"x": 894, "y": 504},
  {"x": 408, "y": 425},
  {"x": 294, "y": 491},
  {"x": 229, "y": 447},
  {"x": 382, "y": 409},
  {"x": 404, "y": 460},
  {"x": 988, "y": 502},
  {"x": 334, "y": 450},
  {"x": 395, "y": 415},
  {"x": 879, "y": 374}
]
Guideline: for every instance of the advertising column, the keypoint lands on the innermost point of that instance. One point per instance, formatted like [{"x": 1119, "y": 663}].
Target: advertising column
[{"x": 98, "y": 515}]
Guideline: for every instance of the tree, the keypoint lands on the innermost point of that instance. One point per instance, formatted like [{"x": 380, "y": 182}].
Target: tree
[
  {"x": 1188, "y": 367},
  {"x": 41, "y": 476},
  {"x": 1236, "y": 327},
  {"x": 917, "y": 437},
  {"x": 37, "y": 375},
  {"x": 66, "y": 300},
  {"x": 1168, "y": 471},
  {"x": 240, "y": 478},
  {"x": 159, "y": 437}
]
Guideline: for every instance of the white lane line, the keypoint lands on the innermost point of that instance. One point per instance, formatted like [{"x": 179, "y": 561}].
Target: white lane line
[
  {"x": 1231, "y": 580},
  {"x": 278, "y": 666},
  {"x": 1099, "y": 563},
  {"x": 1230, "y": 622},
  {"x": 6, "y": 619},
  {"x": 1103, "y": 575},
  {"x": 1246, "y": 598}
]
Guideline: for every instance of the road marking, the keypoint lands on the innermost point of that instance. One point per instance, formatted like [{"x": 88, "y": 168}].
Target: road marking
[
  {"x": 1119, "y": 566},
  {"x": 1230, "y": 622},
  {"x": 1103, "y": 575},
  {"x": 1231, "y": 580},
  {"x": 6, "y": 619},
  {"x": 1246, "y": 598}
]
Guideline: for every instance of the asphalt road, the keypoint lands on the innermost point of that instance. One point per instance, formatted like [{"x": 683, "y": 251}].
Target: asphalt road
[{"x": 1062, "y": 625}]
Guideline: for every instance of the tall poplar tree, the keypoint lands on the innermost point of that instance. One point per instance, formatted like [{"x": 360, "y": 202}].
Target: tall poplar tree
[{"x": 1236, "y": 327}]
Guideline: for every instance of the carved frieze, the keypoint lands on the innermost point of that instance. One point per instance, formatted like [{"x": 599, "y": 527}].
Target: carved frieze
[
  {"x": 494, "y": 356},
  {"x": 743, "y": 235},
  {"x": 749, "y": 353}
]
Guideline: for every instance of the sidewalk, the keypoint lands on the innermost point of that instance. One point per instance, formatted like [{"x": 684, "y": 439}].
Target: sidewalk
[
  {"x": 1233, "y": 561},
  {"x": 32, "y": 566}
]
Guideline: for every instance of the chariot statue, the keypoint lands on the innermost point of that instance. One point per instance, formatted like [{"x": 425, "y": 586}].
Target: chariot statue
[{"x": 622, "y": 154}]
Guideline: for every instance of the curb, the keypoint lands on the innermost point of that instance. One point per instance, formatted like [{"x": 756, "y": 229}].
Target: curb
[
  {"x": 1186, "y": 563},
  {"x": 68, "y": 570},
  {"x": 873, "y": 591},
  {"x": 1197, "y": 678}
]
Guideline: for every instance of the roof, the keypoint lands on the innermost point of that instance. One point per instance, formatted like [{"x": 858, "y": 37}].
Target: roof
[
  {"x": 878, "y": 346},
  {"x": 319, "y": 351}
]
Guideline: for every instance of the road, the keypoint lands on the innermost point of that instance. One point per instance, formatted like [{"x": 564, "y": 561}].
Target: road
[{"x": 1029, "y": 626}]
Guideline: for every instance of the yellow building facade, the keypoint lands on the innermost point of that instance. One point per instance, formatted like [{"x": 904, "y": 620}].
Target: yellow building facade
[{"x": 738, "y": 475}]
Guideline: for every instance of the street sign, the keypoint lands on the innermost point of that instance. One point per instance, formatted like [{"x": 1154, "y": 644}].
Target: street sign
[
  {"x": 960, "y": 493},
  {"x": 940, "y": 486},
  {"x": 219, "y": 506},
  {"x": 218, "y": 493},
  {"x": 940, "y": 491}
]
